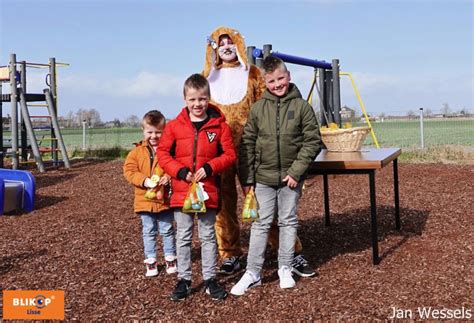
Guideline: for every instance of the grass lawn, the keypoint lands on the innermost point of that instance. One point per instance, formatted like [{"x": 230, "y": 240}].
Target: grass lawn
[{"x": 390, "y": 133}]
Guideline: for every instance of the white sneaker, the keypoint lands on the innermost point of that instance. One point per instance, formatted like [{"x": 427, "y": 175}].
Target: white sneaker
[
  {"x": 171, "y": 264},
  {"x": 247, "y": 281},
  {"x": 151, "y": 267},
  {"x": 286, "y": 278}
]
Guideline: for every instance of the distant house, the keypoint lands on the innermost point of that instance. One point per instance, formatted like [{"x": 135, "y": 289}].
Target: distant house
[
  {"x": 371, "y": 119},
  {"x": 347, "y": 114},
  {"x": 112, "y": 124}
]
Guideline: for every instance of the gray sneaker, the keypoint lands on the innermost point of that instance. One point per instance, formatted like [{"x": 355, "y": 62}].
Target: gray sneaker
[
  {"x": 301, "y": 267},
  {"x": 230, "y": 265}
]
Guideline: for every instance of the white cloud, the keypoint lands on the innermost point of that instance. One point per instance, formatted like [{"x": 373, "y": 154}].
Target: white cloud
[
  {"x": 303, "y": 78},
  {"x": 388, "y": 92},
  {"x": 143, "y": 85},
  {"x": 366, "y": 81},
  {"x": 114, "y": 96}
]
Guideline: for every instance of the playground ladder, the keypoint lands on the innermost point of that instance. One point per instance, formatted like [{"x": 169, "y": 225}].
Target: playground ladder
[
  {"x": 19, "y": 94},
  {"x": 31, "y": 133}
]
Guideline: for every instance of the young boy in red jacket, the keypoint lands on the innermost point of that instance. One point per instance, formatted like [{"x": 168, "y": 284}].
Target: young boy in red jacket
[{"x": 196, "y": 146}]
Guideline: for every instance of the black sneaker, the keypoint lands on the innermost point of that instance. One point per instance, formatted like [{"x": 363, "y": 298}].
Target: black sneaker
[
  {"x": 182, "y": 289},
  {"x": 213, "y": 288},
  {"x": 301, "y": 267},
  {"x": 230, "y": 265}
]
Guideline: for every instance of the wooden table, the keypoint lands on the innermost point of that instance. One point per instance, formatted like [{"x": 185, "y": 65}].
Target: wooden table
[{"x": 366, "y": 161}]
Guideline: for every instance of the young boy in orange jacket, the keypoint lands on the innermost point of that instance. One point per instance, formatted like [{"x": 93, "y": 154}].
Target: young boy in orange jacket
[{"x": 151, "y": 201}]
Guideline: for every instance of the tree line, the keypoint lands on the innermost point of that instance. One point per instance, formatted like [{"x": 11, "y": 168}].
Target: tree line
[{"x": 93, "y": 119}]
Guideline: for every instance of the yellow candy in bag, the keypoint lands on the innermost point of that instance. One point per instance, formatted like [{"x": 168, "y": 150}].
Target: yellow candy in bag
[
  {"x": 157, "y": 191},
  {"x": 249, "y": 212}
]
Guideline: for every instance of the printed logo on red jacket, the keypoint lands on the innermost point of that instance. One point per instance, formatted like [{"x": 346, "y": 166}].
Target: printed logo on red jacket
[{"x": 211, "y": 136}]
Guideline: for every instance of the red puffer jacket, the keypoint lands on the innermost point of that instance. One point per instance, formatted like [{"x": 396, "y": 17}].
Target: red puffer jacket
[{"x": 181, "y": 145}]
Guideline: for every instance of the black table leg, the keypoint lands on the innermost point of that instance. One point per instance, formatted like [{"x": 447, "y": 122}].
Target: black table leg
[
  {"x": 397, "y": 196},
  {"x": 326, "y": 200},
  {"x": 373, "y": 218}
]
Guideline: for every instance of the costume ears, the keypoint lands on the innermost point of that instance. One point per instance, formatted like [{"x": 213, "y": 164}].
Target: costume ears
[{"x": 212, "y": 45}]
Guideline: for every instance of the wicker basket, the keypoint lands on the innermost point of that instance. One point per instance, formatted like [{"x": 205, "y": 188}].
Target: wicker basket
[{"x": 345, "y": 139}]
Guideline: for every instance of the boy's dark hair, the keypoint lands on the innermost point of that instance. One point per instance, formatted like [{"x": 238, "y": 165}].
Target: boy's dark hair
[
  {"x": 272, "y": 63},
  {"x": 153, "y": 118},
  {"x": 197, "y": 82}
]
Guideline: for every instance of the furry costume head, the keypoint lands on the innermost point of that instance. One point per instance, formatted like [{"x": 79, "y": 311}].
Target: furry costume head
[{"x": 213, "y": 61}]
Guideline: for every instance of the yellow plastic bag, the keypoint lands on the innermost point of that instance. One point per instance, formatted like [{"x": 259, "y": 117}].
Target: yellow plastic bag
[
  {"x": 194, "y": 201},
  {"x": 157, "y": 192},
  {"x": 250, "y": 210}
]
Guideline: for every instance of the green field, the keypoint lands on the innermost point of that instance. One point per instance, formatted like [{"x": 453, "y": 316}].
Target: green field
[
  {"x": 96, "y": 138},
  {"x": 102, "y": 137},
  {"x": 390, "y": 133},
  {"x": 437, "y": 132}
]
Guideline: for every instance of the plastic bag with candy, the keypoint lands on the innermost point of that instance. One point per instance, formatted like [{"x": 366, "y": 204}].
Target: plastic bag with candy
[
  {"x": 194, "y": 201},
  {"x": 249, "y": 212},
  {"x": 156, "y": 192}
]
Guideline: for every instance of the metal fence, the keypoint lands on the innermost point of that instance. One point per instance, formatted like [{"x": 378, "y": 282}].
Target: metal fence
[
  {"x": 422, "y": 132},
  {"x": 414, "y": 132}
]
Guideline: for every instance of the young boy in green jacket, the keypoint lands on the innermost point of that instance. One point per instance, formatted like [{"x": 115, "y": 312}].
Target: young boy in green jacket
[{"x": 281, "y": 138}]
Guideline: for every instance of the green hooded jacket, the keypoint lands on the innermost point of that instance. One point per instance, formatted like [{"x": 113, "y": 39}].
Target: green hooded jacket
[{"x": 281, "y": 137}]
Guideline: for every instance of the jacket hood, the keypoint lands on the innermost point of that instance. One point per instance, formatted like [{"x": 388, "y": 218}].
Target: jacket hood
[
  {"x": 293, "y": 93},
  {"x": 213, "y": 60}
]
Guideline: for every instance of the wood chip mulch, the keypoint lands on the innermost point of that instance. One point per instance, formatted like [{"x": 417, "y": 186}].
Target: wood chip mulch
[{"x": 84, "y": 238}]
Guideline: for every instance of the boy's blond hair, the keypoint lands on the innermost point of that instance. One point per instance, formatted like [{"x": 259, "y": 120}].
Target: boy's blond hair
[
  {"x": 271, "y": 63},
  {"x": 197, "y": 82},
  {"x": 153, "y": 118}
]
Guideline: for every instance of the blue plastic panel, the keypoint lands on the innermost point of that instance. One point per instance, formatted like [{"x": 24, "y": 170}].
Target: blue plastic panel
[{"x": 22, "y": 176}]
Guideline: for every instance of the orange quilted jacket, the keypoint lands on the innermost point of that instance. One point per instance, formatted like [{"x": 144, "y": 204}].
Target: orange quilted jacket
[{"x": 138, "y": 166}]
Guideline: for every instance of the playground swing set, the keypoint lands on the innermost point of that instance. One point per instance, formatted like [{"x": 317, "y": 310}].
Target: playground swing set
[
  {"x": 326, "y": 80},
  {"x": 17, "y": 187}
]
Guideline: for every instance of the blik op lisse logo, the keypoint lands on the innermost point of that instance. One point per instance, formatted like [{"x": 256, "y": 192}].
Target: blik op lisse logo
[
  {"x": 33, "y": 304},
  {"x": 39, "y": 301}
]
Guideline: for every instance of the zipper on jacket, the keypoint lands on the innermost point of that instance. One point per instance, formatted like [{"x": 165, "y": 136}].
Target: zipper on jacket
[
  {"x": 196, "y": 134},
  {"x": 278, "y": 138},
  {"x": 152, "y": 159}
]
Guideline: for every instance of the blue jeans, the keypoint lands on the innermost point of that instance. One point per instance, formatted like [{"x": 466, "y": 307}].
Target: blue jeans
[
  {"x": 270, "y": 199},
  {"x": 207, "y": 236},
  {"x": 151, "y": 222}
]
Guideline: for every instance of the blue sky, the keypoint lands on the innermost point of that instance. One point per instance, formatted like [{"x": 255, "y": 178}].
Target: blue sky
[{"x": 130, "y": 56}]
